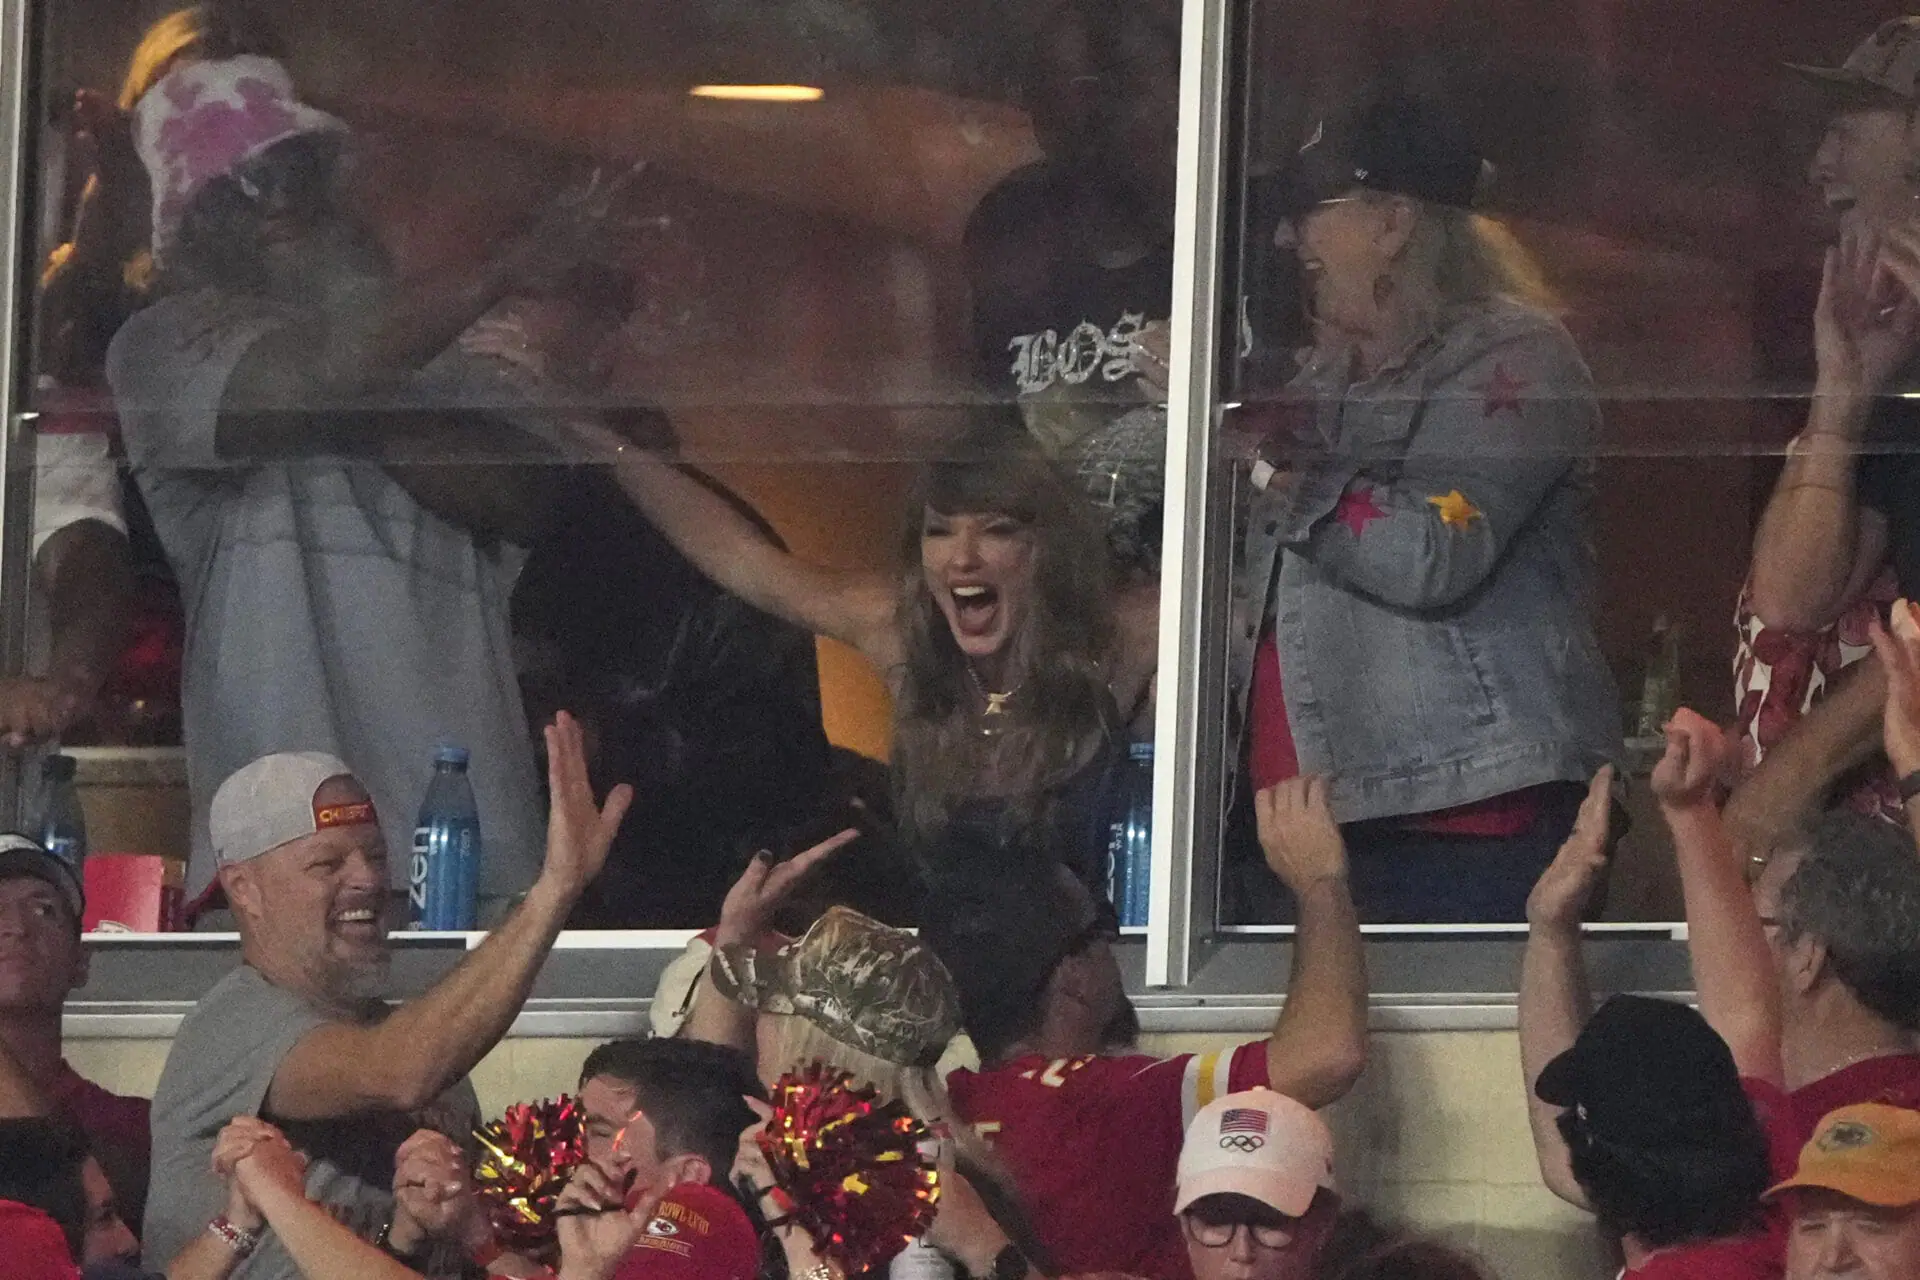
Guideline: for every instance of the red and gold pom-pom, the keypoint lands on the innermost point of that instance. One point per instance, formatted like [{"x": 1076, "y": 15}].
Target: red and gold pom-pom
[
  {"x": 856, "y": 1168},
  {"x": 525, "y": 1157}
]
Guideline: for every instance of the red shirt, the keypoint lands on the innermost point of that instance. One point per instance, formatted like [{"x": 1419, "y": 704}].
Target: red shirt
[
  {"x": 1893, "y": 1079},
  {"x": 1760, "y": 1255},
  {"x": 699, "y": 1232},
  {"x": 117, "y": 1129},
  {"x": 1272, "y": 757},
  {"x": 33, "y": 1245},
  {"x": 1093, "y": 1145}
]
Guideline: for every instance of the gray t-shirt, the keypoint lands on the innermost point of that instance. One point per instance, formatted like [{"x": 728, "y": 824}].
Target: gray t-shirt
[
  {"x": 222, "y": 1062},
  {"x": 326, "y": 609}
]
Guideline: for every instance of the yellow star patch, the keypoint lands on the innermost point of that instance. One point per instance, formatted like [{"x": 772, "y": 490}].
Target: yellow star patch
[{"x": 1455, "y": 511}]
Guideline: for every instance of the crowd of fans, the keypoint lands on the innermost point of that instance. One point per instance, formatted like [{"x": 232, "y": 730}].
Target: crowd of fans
[{"x": 348, "y": 471}]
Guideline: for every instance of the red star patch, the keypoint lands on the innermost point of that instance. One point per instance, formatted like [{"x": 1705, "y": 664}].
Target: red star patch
[
  {"x": 1357, "y": 509},
  {"x": 1502, "y": 391}
]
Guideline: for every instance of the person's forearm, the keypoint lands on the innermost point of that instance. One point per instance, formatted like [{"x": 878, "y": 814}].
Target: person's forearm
[
  {"x": 450, "y": 1028},
  {"x": 206, "y": 1257},
  {"x": 1554, "y": 1005},
  {"x": 1790, "y": 787},
  {"x": 408, "y": 1060},
  {"x": 89, "y": 588},
  {"x": 716, "y": 1019},
  {"x": 731, "y": 551},
  {"x": 1804, "y": 549},
  {"x": 320, "y": 1247},
  {"x": 423, "y": 318},
  {"x": 1319, "y": 1044},
  {"x": 1733, "y": 971}
]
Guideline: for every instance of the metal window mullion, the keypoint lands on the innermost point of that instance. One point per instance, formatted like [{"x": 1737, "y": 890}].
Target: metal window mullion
[
  {"x": 1188, "y": 711},
  {"x": 16, "y": 451}
]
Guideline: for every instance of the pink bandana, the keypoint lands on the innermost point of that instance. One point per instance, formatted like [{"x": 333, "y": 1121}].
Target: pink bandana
[{"x": 206, "y": 118}]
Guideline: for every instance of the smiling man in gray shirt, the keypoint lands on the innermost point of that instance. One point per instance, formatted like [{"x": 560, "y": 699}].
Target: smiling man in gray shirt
[{"x": 299, "y": 1036}]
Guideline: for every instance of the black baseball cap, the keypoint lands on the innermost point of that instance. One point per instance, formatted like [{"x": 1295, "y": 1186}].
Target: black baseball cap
[
  {"x": 1642, "y": 1070},
  {"x": 1392, "y": 142},
  {"x": 23, "y": 856}
]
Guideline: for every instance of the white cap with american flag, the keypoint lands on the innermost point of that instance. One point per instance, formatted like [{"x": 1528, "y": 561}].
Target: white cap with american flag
[{"x": 1259, "y": 1144}]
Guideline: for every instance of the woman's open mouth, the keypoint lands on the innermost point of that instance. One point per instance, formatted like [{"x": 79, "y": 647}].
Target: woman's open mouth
[{"x": 976, "y": 609}]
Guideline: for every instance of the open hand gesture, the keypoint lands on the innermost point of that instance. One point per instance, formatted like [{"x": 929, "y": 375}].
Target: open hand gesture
[
  {"x": 579, "y": 829},
  {"x": 1898, "y": 648},
  {"x": 1565, "y": 889}
]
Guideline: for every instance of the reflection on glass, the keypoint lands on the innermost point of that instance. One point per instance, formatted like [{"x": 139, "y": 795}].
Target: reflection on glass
[{"x": 394, "y": 351}]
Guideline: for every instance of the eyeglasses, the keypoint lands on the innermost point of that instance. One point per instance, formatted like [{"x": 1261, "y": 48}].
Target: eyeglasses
[{"x": 1218, "y": 1235}]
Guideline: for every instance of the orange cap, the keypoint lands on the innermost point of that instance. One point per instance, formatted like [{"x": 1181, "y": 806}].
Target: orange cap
[{"x": 1869, "y": 1152}]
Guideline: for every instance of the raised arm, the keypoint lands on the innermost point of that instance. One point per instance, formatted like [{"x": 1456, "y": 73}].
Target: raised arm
[
  {"x": 1319, "y": 1044},
  {"x": 1816, "y": 543},
  {"x": 409, "y": 1059},
  {"x": 744, "y": 916},
  {"x": 1554, "y": 1000},
  {"x": 1898, "y": 654},
  {"x": 853, "y": 607},
  {"x": 1790, "y": 788},
  {"x": 1732, "y": 968}
]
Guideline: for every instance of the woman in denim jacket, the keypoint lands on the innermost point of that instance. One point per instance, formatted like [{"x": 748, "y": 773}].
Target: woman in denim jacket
[{"x": 1413, "y": 606}]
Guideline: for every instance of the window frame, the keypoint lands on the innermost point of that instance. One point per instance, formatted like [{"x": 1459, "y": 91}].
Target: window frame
[{"x": 1190, "y": 973}]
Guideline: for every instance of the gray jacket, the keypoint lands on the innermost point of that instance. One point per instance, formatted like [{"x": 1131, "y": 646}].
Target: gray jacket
[{"x": 1429, "y": 574}]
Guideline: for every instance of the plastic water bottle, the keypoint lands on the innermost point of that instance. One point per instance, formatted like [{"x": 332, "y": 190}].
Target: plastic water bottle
[
  {"x": 60, "y": 826},
  {"x": 1130, "y": 839},
  {"x": 443, "y": 876}
]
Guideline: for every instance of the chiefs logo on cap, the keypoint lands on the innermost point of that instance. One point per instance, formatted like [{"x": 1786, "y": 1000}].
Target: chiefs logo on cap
[{"x": 343, "y": 815}]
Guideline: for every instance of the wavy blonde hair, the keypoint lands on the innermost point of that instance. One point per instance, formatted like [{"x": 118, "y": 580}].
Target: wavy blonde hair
[{"x": 1454, "y": 257}]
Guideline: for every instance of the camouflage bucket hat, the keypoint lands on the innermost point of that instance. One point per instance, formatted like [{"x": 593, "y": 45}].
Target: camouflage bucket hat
[{"x": 870, "y": 986}]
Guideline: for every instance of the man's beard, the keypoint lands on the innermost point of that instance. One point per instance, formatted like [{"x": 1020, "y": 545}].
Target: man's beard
[{"x": 355, "y": 980}]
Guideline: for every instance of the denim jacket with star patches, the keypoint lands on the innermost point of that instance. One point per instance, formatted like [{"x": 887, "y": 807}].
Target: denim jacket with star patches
[{"x": 1428, "y": 573}]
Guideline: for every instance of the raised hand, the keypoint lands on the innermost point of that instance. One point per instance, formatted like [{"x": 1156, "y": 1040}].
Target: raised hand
[
  {"x": 1898, "y": 649},
  {"x": 1565, "y": 889},
  {"x": 1698, "y": 760},
  {"x": 33, "y": 711},
  {"x": 765, "y": 885},
  {"x": 1866, "y": 322},
  {"x": 579, "y": 829},
  {"x": 599, "y": 1220},
  {"x": 1298, "y": 834},
  {"x": 749, "y": 1161}
]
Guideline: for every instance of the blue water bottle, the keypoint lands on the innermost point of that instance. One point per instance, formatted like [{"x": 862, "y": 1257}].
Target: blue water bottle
[
  {"x": 1130, "y": 839},
  {"x": 443, "y": 876},
  {"x": 59, "y": 824}
]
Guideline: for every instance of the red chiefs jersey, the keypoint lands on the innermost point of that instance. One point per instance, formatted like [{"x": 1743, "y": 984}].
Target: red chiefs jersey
[
  {"x": 698, "y": 1232},
  {"x": 1893, "y": 1079},
  {"x": 1093, "y": 1145}
]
